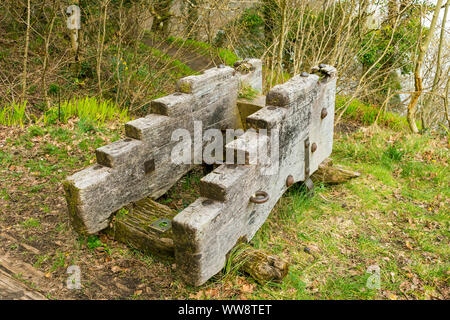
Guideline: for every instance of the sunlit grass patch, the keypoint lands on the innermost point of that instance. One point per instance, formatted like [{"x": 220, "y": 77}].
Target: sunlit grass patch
[
  {"x": 86, "y": 109},
  {"x": 367, "y": 114},
  {"x": 13, "y": 114},
  {"x": 31, "y": 223}
]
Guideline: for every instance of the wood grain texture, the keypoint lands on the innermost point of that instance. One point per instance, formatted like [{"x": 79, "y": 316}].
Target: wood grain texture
[
  {"x": 329, "y": 174},
  {"x": 135, "y": 228},
  {"x": 12, "y": 289},
  {"x": 13, "y": 276}
]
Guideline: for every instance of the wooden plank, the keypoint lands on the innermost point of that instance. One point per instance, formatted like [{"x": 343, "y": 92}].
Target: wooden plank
[
  {"x": 249, "y": 107},
  {"x": 137, "y": 227},
  {"x": 12, "y": 289}
]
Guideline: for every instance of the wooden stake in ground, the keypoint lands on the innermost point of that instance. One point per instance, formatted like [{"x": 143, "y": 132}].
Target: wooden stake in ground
[
  {"x": 74, "y": 25},
  {"x": 25, "y": 55}
]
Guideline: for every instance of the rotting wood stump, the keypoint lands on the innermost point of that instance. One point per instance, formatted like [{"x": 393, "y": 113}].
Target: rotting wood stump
[{"x": 288, "y": 138}]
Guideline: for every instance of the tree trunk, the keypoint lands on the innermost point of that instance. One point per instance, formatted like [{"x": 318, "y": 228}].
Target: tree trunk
[
  {"x": 25, "y": 55},
  {"x": 46, "y": 58},
  {"x": 412, "y": 107},
  {"x": 438, "y": 73}
]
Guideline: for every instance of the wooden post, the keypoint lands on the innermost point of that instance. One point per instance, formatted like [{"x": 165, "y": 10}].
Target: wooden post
[{"x": 74, "y": 25}]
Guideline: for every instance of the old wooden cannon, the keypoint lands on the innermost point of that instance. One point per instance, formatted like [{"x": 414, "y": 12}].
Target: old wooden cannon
[{"x": 294, "y": 121}]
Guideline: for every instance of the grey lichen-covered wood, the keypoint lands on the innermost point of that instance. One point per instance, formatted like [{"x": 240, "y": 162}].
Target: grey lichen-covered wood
[
  {"x": 297, "y": 112},
  {"x": 210, "y": 227},
  {"x": 140, "y": 165}
]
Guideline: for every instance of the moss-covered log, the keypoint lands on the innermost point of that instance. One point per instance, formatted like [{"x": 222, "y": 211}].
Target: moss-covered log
[
  {"x": 261, "y": 265},
  {"x": 146, "y": 226},
  {"x": 329, "y": 174}
]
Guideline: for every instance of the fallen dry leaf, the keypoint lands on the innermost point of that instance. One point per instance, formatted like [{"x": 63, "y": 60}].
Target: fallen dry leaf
[{"x": 247, "y": 288}]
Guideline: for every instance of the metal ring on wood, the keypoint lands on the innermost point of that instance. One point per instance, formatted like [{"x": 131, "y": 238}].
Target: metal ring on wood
[{"x": 259, "y": 197}]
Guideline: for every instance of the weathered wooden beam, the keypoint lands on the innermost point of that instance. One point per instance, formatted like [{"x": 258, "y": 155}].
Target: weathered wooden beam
[
  {"x": 141, "y": 165},
  {"x": 248, "y": 107},
  {"x": 12, "y": 289},
  {"x": 137, "y": 227},
  {"x": 232, "y": 207},
  {"x": 236, "y": 199}
]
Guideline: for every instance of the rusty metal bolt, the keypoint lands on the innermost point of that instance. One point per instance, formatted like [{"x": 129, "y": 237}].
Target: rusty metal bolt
[
  {"x": 289, "y": 181},
  {"x": 259, "y": 197},
  {"x": 304, "y": 74},
  {"x": 323, "y": 113},
  {"x": 313, "y": 147}
]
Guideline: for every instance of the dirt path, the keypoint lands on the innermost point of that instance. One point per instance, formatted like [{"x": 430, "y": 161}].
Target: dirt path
[{"x": 192, "y": 59}]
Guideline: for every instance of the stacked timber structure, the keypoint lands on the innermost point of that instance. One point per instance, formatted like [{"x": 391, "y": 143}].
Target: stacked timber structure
[{"x": 296, "y": 121}]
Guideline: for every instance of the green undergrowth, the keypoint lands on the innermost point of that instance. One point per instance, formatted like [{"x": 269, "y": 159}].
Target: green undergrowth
[
  {"x": 13, "y": 114},
  {"x": 178, "y": 70},
  {"x": 89, "y": 110},
  {"x": 226, "y": 56},
  {"x": 248, "y": 92},
  {"x": 367, "y": 114}
]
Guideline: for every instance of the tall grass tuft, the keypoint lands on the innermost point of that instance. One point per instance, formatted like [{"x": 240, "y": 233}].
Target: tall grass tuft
[
  {"x": 365, "y": 113},
  {"x": 13, "y": 114},
  {"x": 89, "y": 108}
]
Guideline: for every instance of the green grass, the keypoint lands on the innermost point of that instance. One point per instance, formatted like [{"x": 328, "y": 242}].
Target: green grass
[
  {"x": 248, "y": 92},
  {"x": 13, "y": 114},
  {"x": 227, "y": 56},
  {"x": 31, "y": 223},
  {"x": 366, "y": 114},
  {"x": 181, "y": 70},
  {"x": 87, "y": 109}
]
